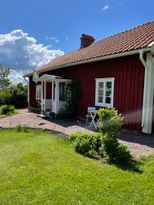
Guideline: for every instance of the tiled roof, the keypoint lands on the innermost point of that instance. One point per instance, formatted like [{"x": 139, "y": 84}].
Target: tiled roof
[{"x": 129, "y": 40}]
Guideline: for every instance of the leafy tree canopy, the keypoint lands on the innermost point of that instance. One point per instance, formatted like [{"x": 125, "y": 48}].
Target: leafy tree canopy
[{"x": 4, "y": 81}]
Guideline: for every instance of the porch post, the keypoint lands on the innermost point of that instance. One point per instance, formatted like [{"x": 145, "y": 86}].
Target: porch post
[
  {"x": 52, "y": 89},
  {"x": 45, "y": 84},
  {"x": 56, "y": 95},
  {"x": 42, "y": 98}
]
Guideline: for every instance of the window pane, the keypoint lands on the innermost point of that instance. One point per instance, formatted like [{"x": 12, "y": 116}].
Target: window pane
[
  {"x": 108, "y": 93},
  {"x": 100, "y": 92},
  {"x": 108, "y": 100},
  {"x": 108, "y": 85},
  {"x": 100, "y": 99},
  {"x": 100, "y": 85}
]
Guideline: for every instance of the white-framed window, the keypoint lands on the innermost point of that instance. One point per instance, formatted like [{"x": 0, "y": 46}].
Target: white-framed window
[
  {"x": 38, "y": 92},
  {"x": 104, "y": 92}
]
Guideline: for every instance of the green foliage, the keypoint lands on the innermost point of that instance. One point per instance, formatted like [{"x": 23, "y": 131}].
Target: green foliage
[
  {"x": 73, "y": 93},
  {"x": 87, "y": 144},
  {"x": 4, "y": 81},
  {"x": 41, "y": 168},
  {"x": 5, "y": 97},
  {"x": 110, "y": 122},
  {"x": 19, "y": 95},
  {"x": 115, "y": 152},
  {"x": 22, "y": 128},
  {"x": 7, "y": 110},
  {"x": 15, "y": 95}
]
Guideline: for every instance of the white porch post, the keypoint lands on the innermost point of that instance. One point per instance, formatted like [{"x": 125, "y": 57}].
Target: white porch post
[
  {"x": 42, "y": 107},
  {"x": 52, "y": 90},
  {"x": 148, "y": 95},
  {"x": 56, "y": 96},
  {"x": 45, "y": 84}
]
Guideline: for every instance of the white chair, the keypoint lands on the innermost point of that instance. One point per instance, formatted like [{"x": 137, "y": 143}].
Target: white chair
[{"x": 88, "y": 115}]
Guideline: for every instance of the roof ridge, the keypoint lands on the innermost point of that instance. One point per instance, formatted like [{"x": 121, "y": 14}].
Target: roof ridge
[
  {"x": 120, "y": 32},
  {"x": 126, "y": 40}
]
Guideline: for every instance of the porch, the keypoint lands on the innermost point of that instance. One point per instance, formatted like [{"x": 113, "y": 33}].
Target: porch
[{"x": 57, "y": 101}]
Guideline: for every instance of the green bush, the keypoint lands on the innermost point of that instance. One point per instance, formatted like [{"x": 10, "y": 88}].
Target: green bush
[
  {"x": 98, "y": 146},
  {"x": 7, "y": 110},
  {"x": 5, "y": 97},
  {"x": 87, "y": 144},
  {"x": 110, "y": 122},
  {"x": 115, "y": 152},
  {"x": 15, "y": 95}
]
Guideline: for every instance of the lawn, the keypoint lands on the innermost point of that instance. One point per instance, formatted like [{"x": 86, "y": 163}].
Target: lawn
[{"x": 40, "y": 168}]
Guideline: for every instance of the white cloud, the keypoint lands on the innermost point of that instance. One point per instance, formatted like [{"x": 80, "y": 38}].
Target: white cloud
[
  {"x": 17, "y": 77},
  {"x": 52, "y": 38},
  {"x": 105, "y": 8},
  {"x": 23, "y": 53}
]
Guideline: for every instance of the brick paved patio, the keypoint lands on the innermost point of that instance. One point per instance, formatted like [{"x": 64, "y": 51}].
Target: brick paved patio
[{"x": 139, "y": 144}]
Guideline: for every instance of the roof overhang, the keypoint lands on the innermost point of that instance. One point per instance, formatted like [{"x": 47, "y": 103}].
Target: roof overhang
[
  {"x": 101, "y": 58},
  {"x": 50, "y": 78}
]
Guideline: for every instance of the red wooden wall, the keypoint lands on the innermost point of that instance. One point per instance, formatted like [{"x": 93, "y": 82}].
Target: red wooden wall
[{"x": 128, "y": 86}]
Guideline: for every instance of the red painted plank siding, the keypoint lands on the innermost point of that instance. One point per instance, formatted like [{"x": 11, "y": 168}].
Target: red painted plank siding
[
  {"x": 32, "y": 93},
  {"x": 128, "y": 88}
]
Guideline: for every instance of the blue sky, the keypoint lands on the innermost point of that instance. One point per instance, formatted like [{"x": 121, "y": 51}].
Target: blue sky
[{"x": 59, "y": 24}]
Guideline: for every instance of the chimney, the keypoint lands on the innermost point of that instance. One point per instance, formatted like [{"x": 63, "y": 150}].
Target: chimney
[{"x": 86, "y": 40}]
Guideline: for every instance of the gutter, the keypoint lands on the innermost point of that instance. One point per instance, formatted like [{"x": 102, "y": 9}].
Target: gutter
[{"x": 146, "y": 49}]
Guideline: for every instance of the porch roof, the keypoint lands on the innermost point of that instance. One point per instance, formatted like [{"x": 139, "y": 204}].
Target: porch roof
[{"x": 50, "y": 78}]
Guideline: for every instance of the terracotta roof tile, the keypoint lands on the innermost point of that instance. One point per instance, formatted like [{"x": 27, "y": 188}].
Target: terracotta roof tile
[{"x": 136, "y": 38}]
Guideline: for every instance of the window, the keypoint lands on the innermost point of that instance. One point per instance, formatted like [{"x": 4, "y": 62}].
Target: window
[
  {"x": 38, "y": 92},
  {"x": 62, "y": 91},
  {"x": 104, "y": 92}
]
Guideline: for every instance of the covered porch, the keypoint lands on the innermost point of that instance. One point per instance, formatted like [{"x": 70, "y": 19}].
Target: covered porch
[{"x": 58, "y": 95}]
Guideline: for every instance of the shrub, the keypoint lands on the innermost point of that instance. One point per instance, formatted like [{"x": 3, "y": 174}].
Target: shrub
[
  {"x": 110, "y": 122},
  {"x": 7, "y": 110},
  {"x": 15, "y": 95},
  {"x": 97, "y": 146},
  {"x": 115, "y": 152},
  {"x": 5, "y": 97},
  {"x": 87, "y": 144}
]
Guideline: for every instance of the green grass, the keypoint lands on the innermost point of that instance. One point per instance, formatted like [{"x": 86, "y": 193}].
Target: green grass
[{"x": 40, "y": 168}]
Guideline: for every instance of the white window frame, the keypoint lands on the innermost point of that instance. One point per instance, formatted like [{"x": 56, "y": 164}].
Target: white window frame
[
  {"x": 104, "y": 80},
  {"x": 38, "y": 92}
]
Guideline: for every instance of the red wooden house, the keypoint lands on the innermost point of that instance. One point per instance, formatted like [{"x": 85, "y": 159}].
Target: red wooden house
[{"x": 117, "y": 71}]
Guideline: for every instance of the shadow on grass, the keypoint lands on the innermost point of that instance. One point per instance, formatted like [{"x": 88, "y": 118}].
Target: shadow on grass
[{"x": 132, "y": 166}]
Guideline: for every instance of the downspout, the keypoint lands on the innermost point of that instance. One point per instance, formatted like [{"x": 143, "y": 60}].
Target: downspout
[
  {"x": 141, "y": 52},
  {"x": 148, "y": 89}
]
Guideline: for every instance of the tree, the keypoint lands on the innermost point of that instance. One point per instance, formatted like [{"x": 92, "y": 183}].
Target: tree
[{"x": 4, "y": 80}]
